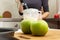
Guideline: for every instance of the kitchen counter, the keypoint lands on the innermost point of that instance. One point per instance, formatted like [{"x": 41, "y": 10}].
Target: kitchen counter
[
  {"x": 19, "y": 19},
  {"x": 53, "y": 23},
  {"x": 52, "y": 34},
  {"x": 52, "y": 19},
  {"x": 10, "y": 19}
]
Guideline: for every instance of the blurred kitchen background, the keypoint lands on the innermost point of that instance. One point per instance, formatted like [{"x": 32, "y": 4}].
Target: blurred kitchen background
[{"x": 54, "y": 7}]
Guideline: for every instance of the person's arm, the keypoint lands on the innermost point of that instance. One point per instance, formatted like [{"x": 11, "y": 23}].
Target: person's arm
[
  {"x": 45, "y": 9},
  {"x": 20, "y": 7},
  {"x": 45, "y": 15}
]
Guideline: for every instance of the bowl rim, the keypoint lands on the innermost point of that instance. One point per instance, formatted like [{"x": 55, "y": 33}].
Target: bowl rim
[{"x": 8, "y": 30}]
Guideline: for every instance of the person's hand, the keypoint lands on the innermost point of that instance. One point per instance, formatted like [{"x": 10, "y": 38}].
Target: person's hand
[{"x": 45, "y": 15}]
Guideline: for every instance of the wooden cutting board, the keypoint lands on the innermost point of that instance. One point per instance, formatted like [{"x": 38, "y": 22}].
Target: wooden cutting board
[{"x": 51, "y": 35}]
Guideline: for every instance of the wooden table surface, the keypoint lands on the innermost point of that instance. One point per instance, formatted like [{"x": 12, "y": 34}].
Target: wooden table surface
[{"x": 51, "y": 35}]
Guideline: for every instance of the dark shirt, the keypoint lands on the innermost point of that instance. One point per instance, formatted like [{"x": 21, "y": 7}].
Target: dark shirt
[{"x": 37, "y": 4}]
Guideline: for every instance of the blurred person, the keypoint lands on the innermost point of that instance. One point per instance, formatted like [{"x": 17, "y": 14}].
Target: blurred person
[{"x": 41, "y": 5}]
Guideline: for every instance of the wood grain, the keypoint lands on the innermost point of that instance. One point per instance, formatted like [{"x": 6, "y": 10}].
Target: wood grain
[{"x": 51, "y": 35}]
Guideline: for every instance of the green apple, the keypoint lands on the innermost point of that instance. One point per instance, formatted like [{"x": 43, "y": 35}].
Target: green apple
[
  {"x": 25, "y": 26},
  {"x": 39, "y": 28},
  {"x": 1, "y": 16}
]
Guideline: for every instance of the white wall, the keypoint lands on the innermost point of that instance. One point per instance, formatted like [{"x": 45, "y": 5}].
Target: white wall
[
  {"x": 58, "y": 6},
  {"x": 11, "y": 6},
  {"x": 52, "y": 8}
]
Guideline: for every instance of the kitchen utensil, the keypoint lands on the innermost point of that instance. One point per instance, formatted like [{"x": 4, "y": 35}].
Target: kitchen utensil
[
  {"x": 12, "y": 23},
  {"x": 32, "y": 13},
  {"x": 8, "y": 38},
  {"x": 6, "y": 32},
  {"x": 11, "y": 19}
]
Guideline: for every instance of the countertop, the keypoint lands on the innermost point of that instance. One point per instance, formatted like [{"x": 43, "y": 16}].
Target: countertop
[
  {"x": 19, "y": 19},
  {"x": 10, "y": 19},
  {"x": 52, "y": 19},
  {"x": 52, "y": 34}
]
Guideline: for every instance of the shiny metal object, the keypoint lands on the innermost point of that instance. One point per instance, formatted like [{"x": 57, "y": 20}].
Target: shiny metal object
[{"x": 11, "y": 19}]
